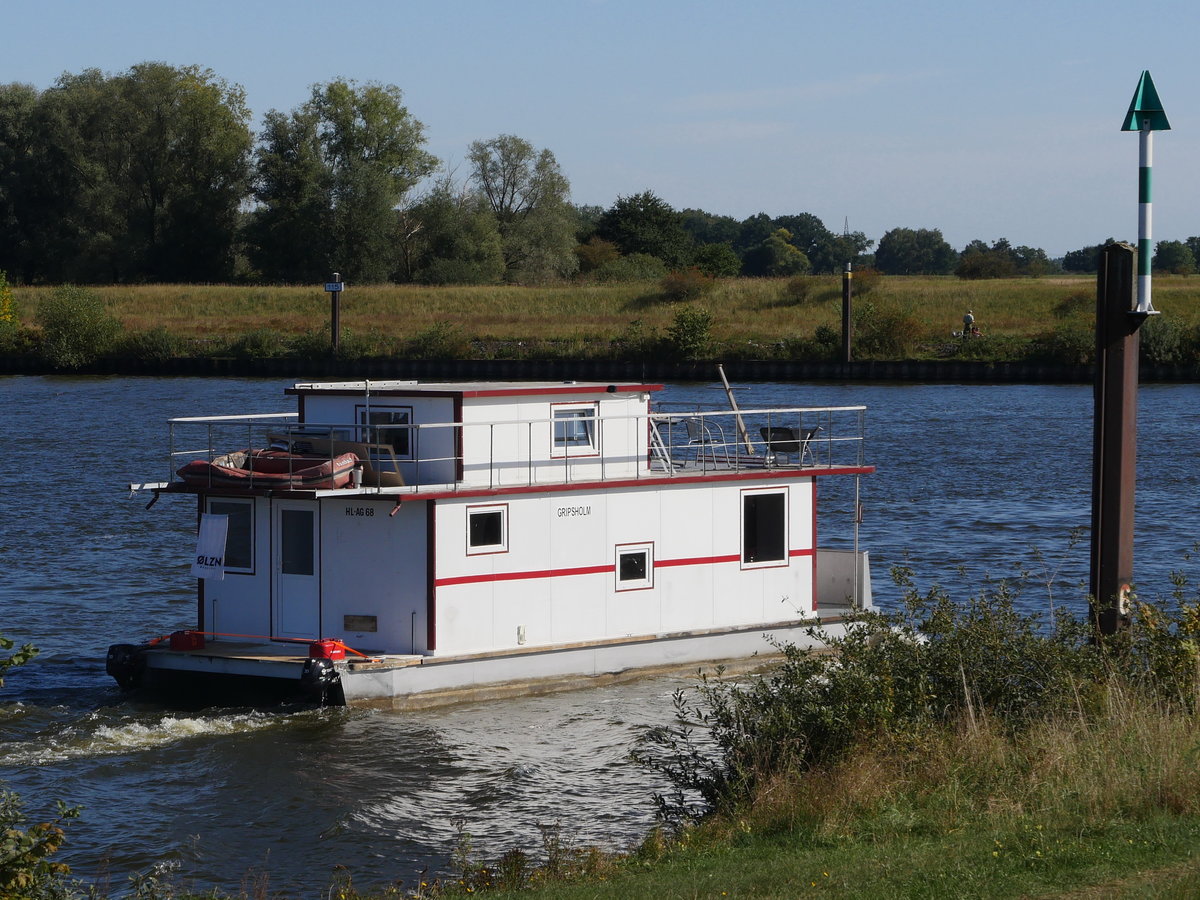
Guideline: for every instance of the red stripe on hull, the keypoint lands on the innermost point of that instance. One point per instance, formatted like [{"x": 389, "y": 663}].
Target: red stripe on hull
[{"x": 595, "y": 570}]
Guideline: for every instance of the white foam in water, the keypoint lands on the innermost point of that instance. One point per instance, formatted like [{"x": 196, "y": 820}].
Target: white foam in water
[{"x": 79, "y": 741}]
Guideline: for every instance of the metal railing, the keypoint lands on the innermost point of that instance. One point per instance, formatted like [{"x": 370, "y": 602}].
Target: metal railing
[{"x": 670, "y": 441}]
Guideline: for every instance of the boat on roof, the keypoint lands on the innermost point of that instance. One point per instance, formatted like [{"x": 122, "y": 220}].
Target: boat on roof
[{"x": 464, "y": 540}]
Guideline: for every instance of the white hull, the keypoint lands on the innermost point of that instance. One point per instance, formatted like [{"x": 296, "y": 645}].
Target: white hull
[{"x": 415, "y": 682}]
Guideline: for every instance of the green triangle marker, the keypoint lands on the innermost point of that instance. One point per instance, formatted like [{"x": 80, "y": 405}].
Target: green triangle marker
[{"x": 1146, "y": 110}]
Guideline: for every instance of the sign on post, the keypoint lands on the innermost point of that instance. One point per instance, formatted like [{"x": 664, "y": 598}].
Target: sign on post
[{"x": 334, "y": 288}]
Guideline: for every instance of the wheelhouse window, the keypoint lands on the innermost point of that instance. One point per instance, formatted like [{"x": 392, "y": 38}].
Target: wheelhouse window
[
  {"x": 575, "y": 429},
  {"x": 388, "y": 425},
  {"x": 764, "y": 528},
  {"x": 239, "y": 538},
  {"x": 635, "y": 567},
  {"x": 487, "y": 529}
]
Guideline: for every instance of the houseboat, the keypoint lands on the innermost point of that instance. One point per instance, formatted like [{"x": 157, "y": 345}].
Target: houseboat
[{"x": 400, "y": 544}]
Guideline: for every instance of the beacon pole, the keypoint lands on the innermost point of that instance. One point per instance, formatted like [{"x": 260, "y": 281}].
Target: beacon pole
[
  {"x": 334, "y": 289},
  {"x": 1145, "y": 116},
  {"x": 1120, "y": 311}
]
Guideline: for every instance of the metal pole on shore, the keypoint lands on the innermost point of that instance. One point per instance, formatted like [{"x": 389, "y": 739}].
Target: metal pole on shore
[
  {"x": 1114, "y": 453},
  {"x": 847, "y": 323},
  {"x": 334, "y": 288}
]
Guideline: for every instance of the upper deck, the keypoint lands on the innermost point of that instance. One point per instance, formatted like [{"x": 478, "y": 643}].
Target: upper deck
[{"x": 430, "y": 439}]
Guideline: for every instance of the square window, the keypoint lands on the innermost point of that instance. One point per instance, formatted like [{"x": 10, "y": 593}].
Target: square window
[
  {"x": 764, "y": 528},
  {"x": 575, "y": 429},
  {"x": 239, "y": 539},
  {"x": 635, "y": 567},
  {"x": 487, "y": 529}
]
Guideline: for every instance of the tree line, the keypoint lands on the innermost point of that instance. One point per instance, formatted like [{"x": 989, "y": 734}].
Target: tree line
[{"x": 154, "y": 175}]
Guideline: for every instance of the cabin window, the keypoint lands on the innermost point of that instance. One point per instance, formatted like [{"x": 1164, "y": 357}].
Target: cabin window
[
  {"x": 764, "y": 528},
  {"x": 574, "y": 429},
  {"x": 487, "y": 529},
  {"x": 635, "y": 567},
  {"x": 388, "y": 425},
  {"x": 239, "y": 539}
]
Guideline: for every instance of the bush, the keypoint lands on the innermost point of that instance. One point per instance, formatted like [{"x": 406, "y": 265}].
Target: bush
[
  {"x": 262, "y": 343},
  {"x": 635, "y": 267},
  {"x": 884, "y": 332},
  {"x": 441, "y": 340},
  {"x": 900, "y": 680},
  {"x": 992, "y": 348},
  {"x": 154, "y": 345},
  {"x": 8, "y": 312},
  {"x": 1071, "y": 343},
  {"x": 718, "y": 260},
  {"x": 25, "y": 866},
  {"x": 797, "y": 289},
  {"x": 636, "y": 341},
  {"x": 1165, "y": 342},
  {"x": 864, "y": 281},
  {"x": 77, "y": 329},
  {"x": 595, "y": 253},
  {"x": 686, "y": 284},
  {"x": 690, "y": 333}
]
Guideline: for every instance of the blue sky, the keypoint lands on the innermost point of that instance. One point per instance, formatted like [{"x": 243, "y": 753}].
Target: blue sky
[{"x": 985, "y": 120}]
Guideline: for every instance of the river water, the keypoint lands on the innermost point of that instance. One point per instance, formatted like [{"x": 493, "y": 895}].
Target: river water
[{"x": 972, "y": 481}]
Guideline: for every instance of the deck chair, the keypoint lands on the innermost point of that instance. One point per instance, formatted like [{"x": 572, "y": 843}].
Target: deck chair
[
  {"x": 708, "y": 438},
  {"x": 787, "y": 442}
]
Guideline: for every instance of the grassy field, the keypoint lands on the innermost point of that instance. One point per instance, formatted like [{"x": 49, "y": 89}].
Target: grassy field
[{"x": 747, "y": 314}]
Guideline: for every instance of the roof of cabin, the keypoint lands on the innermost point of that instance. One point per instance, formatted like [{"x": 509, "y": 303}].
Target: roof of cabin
[{"x": 467, "y": 388}]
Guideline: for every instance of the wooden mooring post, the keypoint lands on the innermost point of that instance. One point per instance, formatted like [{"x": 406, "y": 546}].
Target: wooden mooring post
[{"x": 1114, "y": 457}]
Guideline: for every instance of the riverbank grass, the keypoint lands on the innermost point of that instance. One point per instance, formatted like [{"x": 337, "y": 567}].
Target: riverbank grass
[
  {"x": 1105, "y": 808},
  {"x": 896, "y": 317}
]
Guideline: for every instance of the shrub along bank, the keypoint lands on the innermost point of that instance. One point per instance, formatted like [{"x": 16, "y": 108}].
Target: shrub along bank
[
  {"x": 685, "y": 316},
  {"x": 947, "y": 749}
]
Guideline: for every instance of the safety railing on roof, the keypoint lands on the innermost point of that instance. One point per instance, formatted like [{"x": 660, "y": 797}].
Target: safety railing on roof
[{"x": 668, "y": 442}]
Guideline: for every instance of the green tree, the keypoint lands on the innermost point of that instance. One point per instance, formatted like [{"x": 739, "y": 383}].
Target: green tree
[
  {"x": 828, "y": 252},
  {"x": 978, "y": 260},
  {"x": 334, "y": 172},
  {"x": 1174, "y": 257},
  {"x": 1086, "y": 259},
  {"x": 706, "y": 228},
  {"x": 456, "y": 241},
  {"x": 18, "y": 104},
  {"x": 718, "y": 260},
  {"x": 167, "y": 153},
  {"x": 645, "y": 223},
  {"x": 290, "y": 235},
  {"x": 527, "y": 194},
  {"x": 752, "y": 232},
  {"x": 776, "y": 256},
  {"x": 921, "y": 251}
]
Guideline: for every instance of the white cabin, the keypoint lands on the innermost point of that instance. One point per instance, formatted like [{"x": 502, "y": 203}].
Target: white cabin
[{"x": 506, "y": 533}]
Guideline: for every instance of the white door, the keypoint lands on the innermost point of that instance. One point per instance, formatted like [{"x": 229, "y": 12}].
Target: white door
[{"x": 296, "y": 570}]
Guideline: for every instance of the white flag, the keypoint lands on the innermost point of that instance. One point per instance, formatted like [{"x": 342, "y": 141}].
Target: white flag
[{"x": 210, "y": 547}]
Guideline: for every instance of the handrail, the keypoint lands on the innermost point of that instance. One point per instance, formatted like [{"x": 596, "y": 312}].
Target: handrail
[{"x": 522, "y": 451}]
